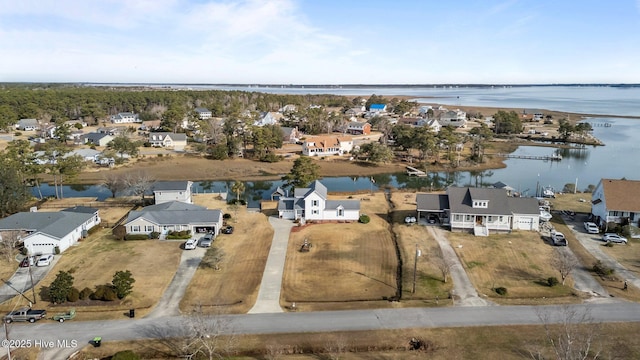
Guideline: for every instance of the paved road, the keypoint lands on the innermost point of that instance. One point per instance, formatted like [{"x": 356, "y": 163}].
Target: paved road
[
  {"x": 462, "y": 286},
  {"x": 268, "y": 300},
  {"x": 324, "y": 321}
]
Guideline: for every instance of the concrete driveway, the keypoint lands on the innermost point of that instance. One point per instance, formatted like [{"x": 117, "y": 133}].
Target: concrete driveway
[{"x": 21, "y": 280}]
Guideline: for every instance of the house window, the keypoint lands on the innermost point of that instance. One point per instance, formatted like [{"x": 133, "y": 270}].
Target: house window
[
  {"x": 340, "y": 212},
  {"x": 613, "y": 213},
  {"x": 148, "y": 228},
  {"x": 457, "y": 217},
  {"x": 135, "y": 228},
  {"x": 315, "y": 212},
  {"x": 490, "y": 218},
  {"x": 501, "y": 218},
  {"x": 314, "y": 203},
  {"x": 467, "y": 218}
]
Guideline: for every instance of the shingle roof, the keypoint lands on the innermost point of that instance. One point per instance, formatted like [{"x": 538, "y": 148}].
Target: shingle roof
[
  {"x": 175, "y": 212},
  {"x": 523, "y": 206},
  {"x": 461, "y": 201},
  {"x": 431, "y": 202},
  {"x": 54, "y": 224},
  {"x": 171, "y": 185},
  {"x": 173, "y": 206},
  {"x": 622, "y": 195},
  {"x": 200, "y": 110},
  {"x": 346, "y": 204},
  {"x": 82, "y": 209}
]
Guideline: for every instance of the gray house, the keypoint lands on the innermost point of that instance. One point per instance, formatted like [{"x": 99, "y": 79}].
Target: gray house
[
  {"x": 174, "y": 216},
  {"x": 97, "y": 139},
  {"x": 28, "y": 124}
]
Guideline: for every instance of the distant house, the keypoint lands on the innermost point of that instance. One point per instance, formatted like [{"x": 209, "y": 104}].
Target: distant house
[
  {"x": 165, "y": 191},
  {"x": 288, "y": 108},
  {"x": 150, "y": 125},
  {"x": 112, "y": 130},
  {"x": 356, "y": 111},
  {"x": 434, "y": 125},
  {"x": 203, "y": 113},
  {"x": 480, "y": 210},
  {"x": 268, "y": 118},
  {"x": 125, "y": 118},
  {"x": 43, "y": 232},
  {"x": 290, "y": 135},
  {"x": 424, "y": 110},
  {"x": 358, "y": 128},
  {"x": 28, "y": 124},
  {"x": 174, "y": 216},
  {"x": 48, "y": 131},
  {"x": 327, "y": 145},
  {"x": 616, "y": 201},
  {"x": 87, "y": 154},
  {"x": 278, "y": 194},
  {"x": 73, "y": 123},
  {"x": 413, "y": 122},
  {"x": 533, "y": 114},
  {"x": 377, "y": 108},
  {"x": 312, "y": 204},
  {"x": 455, "y": 118},
  {"x": 97, "y": 139},
  {"x": 168, "y": 140},
  {"x": 500, "y": 185}
]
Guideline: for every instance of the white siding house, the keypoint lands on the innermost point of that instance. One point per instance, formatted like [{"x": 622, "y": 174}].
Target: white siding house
[
  {"x": 168, "y": 140},
  {"x": 125, "y": 118},
  {"x": 166, "y": 191},
  {"x": 455, "y": 118},
  {"x": 616, "y": 201},
  {"x": 311, "y": 204},
  {"x": 327, "y": 145},
  {"x": 174, "y": 216}
]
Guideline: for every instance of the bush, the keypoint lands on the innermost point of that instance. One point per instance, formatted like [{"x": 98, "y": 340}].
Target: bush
[
  {"x": 119, "y": 232},
  {"x": 271, "y": 158},
  {"x": 236, "y": 201},
  {"x": 56, "y": 250},
  {"x": 17, "y": 133},
  {"x": 501, "y": 291},
  {"x": 85, "y": 293},
  {"x": 104, "y": 293},
  {"x": 24, "y": 251},
  {"x": 125, "y": 355},
  {"x": 601, "y": 269},
  {"x": 74, "y": 295},
  {"x": 136, "y": 237},
  {"x": 226, "y": 216},
  {"x": 552, "y": 281},
  {"x": 184, "y": 234},
  {"x": 364, "y": 219},
  {"x": 154, "y": 235}
]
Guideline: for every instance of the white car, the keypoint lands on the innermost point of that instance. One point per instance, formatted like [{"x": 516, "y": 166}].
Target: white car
[
  {"x": 591, "y": 227},
  {"x": 558, "y": 238},
  {"x": 45, "y": 260},
  {"x": 190, "y": 244},
  {"x": 615, "y": 238}
]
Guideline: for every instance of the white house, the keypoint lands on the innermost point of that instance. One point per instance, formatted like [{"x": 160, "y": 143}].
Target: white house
[
  {"x": 480, "y": 210},
  {"x": 43, "y": 232},
  {"x": 434, "y": 125},
  {"x": 169, "y": 140},
  {"x": 268, "y": 118},
  {"x": 312, "y": 204},
  {"x": 616, "y": 201},
  {"x": 165, "y": 191},
  {"x": 203, "y": 113},
  {"x": 174, "y": 216},
  {"x": 87, "y": 154},
  {"x": 327, "y": 145},
  {"x": 28, "y": 124},
  {"x": 455, "y": 118},
  {"x": 125, "y": 118}
]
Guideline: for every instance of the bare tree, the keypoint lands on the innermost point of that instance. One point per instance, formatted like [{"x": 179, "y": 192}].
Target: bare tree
[
  {"x": 335, "y": 347},
  {"x": 195, "y": 336},
  {"x": 564, "y": 261},
  {"x": 139, "y": 182},
  {"x": 212, "y": 258},
  {"x": 571, "y": 333},
  {"x": 114, "y": 183},
  {"x": 444, "y": 264},
  {"x": 8, "y": 241}
]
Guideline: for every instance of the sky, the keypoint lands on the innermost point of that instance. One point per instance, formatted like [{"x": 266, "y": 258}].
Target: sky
[{"x": 320, "y": 41}]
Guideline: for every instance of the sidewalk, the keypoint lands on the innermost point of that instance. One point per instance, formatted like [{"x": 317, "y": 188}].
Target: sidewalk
[{"x": 268, "y": 300}]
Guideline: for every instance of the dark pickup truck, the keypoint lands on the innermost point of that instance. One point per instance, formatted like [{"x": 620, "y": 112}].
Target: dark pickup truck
[{"x": 25, "y": 314}]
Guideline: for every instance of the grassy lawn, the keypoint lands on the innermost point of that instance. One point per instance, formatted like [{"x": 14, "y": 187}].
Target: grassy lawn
[
  {"x": 234, "y": 287},
  {"x": 349, "y": 265},
  {"x": 580, "y": 202},
  {"x": 94, "y": 261},
  {"x": 615, "y": 341},
  {"x": 519, "y": 261},
  {"x": 430, "y": 287}
]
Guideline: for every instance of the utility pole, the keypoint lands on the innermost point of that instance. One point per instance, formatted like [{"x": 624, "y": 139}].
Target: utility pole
[
  {"x": 415, "y": 270},
  {"x": 6, "y": 336}
]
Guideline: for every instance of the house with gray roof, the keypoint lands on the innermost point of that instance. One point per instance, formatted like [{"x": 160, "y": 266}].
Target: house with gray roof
[
  {"x": 28, "y": 124},
  {"x": 480, "y": 210},
  {"x": 43, "y": 232},
  {"x": 166, "y": 191},
  {"x": 174, "y": 216},
  {"x": 203, "y": 113},
  {"x": 97, "y": 139},
  {"x": 312, "y": 204}
]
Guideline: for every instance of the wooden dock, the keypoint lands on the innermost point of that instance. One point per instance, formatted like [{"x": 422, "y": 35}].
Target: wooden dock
[
  {"x": 415, "y": 172},
  {"x": 554, "y": 157}
]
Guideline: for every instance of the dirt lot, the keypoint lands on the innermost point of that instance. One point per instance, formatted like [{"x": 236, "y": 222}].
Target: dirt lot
[
  {"x": 519, "y": 261},
  {"x": 349, "y": 265},
  {"x": 234, "y": 287}
]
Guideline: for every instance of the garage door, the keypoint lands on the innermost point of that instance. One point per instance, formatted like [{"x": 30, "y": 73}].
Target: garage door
[{"x": 524, "y": 223}]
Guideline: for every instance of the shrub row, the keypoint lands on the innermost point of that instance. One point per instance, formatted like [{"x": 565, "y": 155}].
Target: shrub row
[{"x": 184, "y": 234}]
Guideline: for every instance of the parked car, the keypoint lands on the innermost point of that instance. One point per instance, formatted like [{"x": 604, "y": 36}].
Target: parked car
[
  {"x": 190, "y": 244},
  {"x": 28, "y": 261},
  {"x": 558, "y": 238},
  {"x": 206, "y": 241},
  {"x": 591, "y": 228},
  {"x": 25, "y": 314},
  {"x": 432, "y": 219},
  {"x": 45, "y": 260},
  {"x": 227, "y": 229},
  {"x": 615, "y": 238}
]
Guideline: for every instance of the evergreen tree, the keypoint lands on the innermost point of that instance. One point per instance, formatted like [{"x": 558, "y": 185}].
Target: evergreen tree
[
  {"x": 123, "y": 283},
  {"x": 61, "y": 287},
  {"x": 303, "y": 173}
]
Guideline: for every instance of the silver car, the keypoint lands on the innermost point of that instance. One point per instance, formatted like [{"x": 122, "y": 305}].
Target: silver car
[
  {"x": 206, "y": 241},
  {"x": 615, "y": 238}
]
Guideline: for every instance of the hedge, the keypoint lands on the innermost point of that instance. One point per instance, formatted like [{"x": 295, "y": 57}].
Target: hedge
[{"x": 136, "y": 237}]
